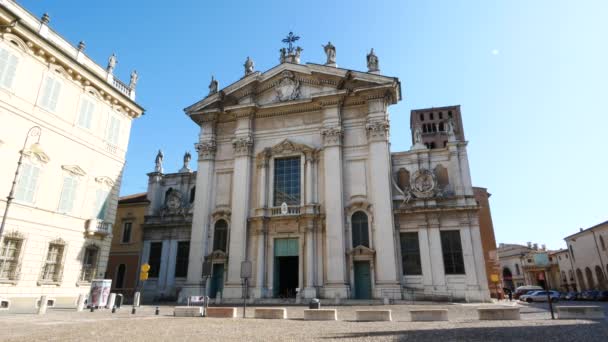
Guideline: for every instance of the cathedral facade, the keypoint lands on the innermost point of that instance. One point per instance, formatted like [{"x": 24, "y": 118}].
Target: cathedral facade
[{"x": 297, "y": 190}]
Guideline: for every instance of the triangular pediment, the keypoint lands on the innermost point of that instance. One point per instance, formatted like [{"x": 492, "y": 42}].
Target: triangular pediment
[{"x": 290, "y": 83}]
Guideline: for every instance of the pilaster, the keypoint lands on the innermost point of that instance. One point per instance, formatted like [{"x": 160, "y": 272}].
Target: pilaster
[
  {"x": 377, "y": 128},
  {"x": 335, "y": 282}
]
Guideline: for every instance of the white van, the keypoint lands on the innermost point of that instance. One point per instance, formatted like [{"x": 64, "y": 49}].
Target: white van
[{"x": 525, "y": 289}]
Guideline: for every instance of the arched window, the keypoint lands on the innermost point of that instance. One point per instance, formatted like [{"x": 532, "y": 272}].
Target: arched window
[
  {"x": 602, "y": 243},
  {"x": 220, "y": 236},
  {"x": 599, "y": 274},
  {"x": 572, "y": 252},
  {"x": 431, "y": 116},
  {"x": 564, "y": 277},
  {"x": 441, "y": 128},
  {"x": 421, "y": 116},
  {"x": 590, "y": 282},
  {"x": 581, "y": 280},
  {"x": 120, "y": 276},
  {"x": 517, "y": 269},
  {"x": 360, "y": 229},
  {"x": 570, "y": 275},
  {"x": 192, "y": 192},
  {"x": 424, "y": 128}
]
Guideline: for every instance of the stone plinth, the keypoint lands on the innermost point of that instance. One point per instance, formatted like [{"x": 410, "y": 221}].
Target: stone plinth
[
  {"x": 580, "y": 312},
  {"x": 270, "y": 313},
  {"x": 188, "y": 311},
  {"x": 321, "y": 315},
  {"x": 221, "y": 312},
  {"x": 504, "y": 313},
  {"x": 373, "y": 315},
  {"x": 429, "y": 315}
]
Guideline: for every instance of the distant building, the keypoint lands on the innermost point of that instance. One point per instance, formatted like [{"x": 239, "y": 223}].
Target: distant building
[
  {"x": 528, "y": 265},
  {"x": 58, "y": 228},
  {"x": 166, "y": 230},
  {"x": 127, "y": 244},
  {"x": 589, "y": 256},
  {"x": 566, "y": 270}
]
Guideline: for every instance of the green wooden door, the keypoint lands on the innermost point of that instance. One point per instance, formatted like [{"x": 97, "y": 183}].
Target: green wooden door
[
  {"x": 217, "y": 280},
  {"x": 363, "y": 280}
]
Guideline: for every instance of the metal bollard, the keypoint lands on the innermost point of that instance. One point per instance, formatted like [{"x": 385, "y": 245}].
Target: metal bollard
[
  {"x": 157, "y": 311},
  {"x": 92, "y": 308},
  {"x": 114, "y": 309},
  {"x": 133, "y": 311}
]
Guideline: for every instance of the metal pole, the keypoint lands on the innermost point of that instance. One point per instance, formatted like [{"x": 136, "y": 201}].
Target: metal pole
[
  {"x": 245, "y": 298},
  {"x": 32, "y": 132},
  {"x": 549, "y": 295}
]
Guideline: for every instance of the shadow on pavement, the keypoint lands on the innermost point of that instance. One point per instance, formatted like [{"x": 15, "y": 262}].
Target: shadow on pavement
[{"x": 595, "y": 331}]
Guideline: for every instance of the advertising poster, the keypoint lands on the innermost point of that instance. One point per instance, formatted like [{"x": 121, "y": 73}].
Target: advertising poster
[{"x": 100, "y": 292}]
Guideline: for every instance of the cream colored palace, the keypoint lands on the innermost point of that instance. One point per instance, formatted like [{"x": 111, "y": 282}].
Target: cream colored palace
[
  {"x": 296, "y": 177},
  {"x": 58, "y": 228}
]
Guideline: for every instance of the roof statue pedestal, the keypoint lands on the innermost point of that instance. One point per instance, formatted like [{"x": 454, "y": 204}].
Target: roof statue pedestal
[
  {"x": 330, "y": 52},
  {"x": 186, "y": 168}
]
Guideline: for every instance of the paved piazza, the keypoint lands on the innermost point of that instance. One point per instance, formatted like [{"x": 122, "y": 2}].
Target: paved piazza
[{"x": 60, "y": 325}]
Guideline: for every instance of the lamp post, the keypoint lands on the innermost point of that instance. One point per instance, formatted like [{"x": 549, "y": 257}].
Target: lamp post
[{"x": 32, "y": 132}]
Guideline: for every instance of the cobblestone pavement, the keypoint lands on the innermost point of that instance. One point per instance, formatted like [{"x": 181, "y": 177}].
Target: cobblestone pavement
[{"x": 102, "y": 325}]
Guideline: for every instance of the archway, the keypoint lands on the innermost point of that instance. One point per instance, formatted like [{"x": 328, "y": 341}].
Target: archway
[
  {"x": 507, "y": 278},
  {"x": 581, "y": 280},
  {"x": 590, "y": 282},
  {"x": 601, "y": 281}
]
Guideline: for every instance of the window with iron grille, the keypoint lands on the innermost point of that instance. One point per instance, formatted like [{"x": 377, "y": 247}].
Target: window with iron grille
[
  {"x": 220, "y": 236},
  {"x": 181, "y": 261},
  {"x": 89, "y": 264},
  {"x": 287, "y": 181},
  {"x": 360, "y": 229},
  {"x": 410, "y": 253},
  {"x": 9, "y": 258},
  {"x": 452, "y": 252},
  {"x": 52, "y": 265}
]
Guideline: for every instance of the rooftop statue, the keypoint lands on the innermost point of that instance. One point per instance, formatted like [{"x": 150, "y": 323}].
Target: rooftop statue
[
  {"x": 372, "y": 62},
  {"x": 134, "y": 78},
  {"x": 159, "y": 162},
  {"x": 112, "y": 63},
  {"x": 213, "y": 85},
  {"x": 330, "y": 52},
  {"x": 249, "y": 66}
]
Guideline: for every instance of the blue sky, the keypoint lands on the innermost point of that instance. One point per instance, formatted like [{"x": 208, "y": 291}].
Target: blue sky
[{"x": 530, "y": 76}]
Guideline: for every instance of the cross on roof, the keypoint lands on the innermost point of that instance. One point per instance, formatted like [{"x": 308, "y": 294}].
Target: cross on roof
[{"x": 290, "y": 39}]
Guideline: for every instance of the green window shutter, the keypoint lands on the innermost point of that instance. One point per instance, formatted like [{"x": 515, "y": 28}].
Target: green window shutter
[
  {"x": 102, "y": 203},
  {"x": 26, "y": 186},
  {"x": 286, "y": 247},
  {"x": 87, "y": 107},
  {"x": 8, "y": 68},
  {"x": 54, "y": 97},
  {"x": 47, "y": 89},
  {"x": 66, "y": 202},
  {"x": 4, "y": 62}
]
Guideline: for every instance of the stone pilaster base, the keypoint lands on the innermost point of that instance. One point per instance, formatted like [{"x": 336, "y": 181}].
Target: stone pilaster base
[
  {"x": 309, "y": 293},
  {"x": 390, "y": 291},
  {"x": 340, "y": 291},
  {"x": 259, "y": 292},
  {"x": 232, "y": 291}
]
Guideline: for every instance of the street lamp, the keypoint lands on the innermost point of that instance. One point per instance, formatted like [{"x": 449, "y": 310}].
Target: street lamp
[{"x": 35, "y": 147}]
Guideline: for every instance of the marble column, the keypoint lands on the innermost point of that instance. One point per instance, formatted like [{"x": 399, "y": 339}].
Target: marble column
[
  {"x": 309, "y": 290},
  {"x": 438, "y": 270},
  {"x": 260, "y": 266},
  {"x": 335, "y": 281},
  {"x": 241, "y": 184},
  {"x": 202, "y": 208},
  {"x": 380, "y": 190}
]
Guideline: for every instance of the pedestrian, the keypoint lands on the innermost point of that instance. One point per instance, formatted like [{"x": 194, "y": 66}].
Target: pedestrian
[{"x": 510, "y": 295}]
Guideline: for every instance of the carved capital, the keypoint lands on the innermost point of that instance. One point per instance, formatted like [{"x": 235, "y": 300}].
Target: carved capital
[
  {"x": 242, "y": 145},
  {"x": 263, "y": 158},
  {"x": 332, "y": 136},
  {"x": 377, "y": 130},
  {"x": 206, "y": 150}
]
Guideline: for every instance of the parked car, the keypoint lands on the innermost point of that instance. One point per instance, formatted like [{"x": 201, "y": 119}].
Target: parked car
[
  {"x": 603, "y": 296},
  {"x": 525, "y": 289},
  {"x": 539, "y": 296},
  {"x": 590, "y": 295},
  {"x": 572, "y": 295}
]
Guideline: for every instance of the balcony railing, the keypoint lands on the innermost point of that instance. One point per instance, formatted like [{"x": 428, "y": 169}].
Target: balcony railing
[
  {"x": 99, "y": 227},
  {"x": 292, "y": 210}
]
